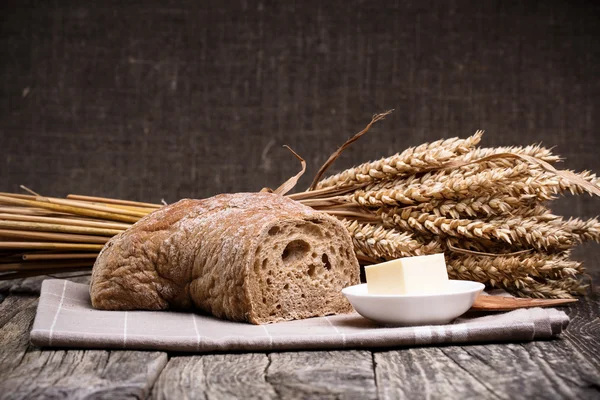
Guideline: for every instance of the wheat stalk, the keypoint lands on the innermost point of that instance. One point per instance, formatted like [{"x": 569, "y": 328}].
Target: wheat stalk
[
  {"x": 552, "y": 289},
  {"x": 541, "y": 230},
  {"x": 485, "y": 206},
  {"x": 517, "y": 231},
  {"x": 382, "y": 243},
  {"x": 525, "y": 286},
  {"x": 489, "y": 270},
  {"x": 410, "y": 161},
  {"x": 582, "y": 230},
  {"x": 529, "y": 275},
  {"x": 545, "y": 186},
  {"x": 536, "y": 151},
  {"x": 479, "y": 245},
  {"x": 431, "y": 156},
  {"x": 440, "y": 185},
  {"x": 504, "y": 269},
  {"x": 518, "y": 182}
]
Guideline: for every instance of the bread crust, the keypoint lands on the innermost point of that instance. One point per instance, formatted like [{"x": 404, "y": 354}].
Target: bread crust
[{"x": 256, "y": 257}]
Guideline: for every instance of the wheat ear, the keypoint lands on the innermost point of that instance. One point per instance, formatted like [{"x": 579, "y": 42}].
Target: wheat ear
[
  {"x": 518, "y": 231},
  {"x": 440, "y": 185},
  {"x": 500, "y": 271},
  {"x": 410, "y": 161},
  {"x": 488, "y": 205},
  {"x": 552, "y": 289},
  {"x": 536, "y": 151},
  {"x": 383, "y": 243}
]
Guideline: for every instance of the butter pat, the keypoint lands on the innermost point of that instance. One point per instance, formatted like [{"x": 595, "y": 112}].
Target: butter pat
[{"x": 409, "y": 275}]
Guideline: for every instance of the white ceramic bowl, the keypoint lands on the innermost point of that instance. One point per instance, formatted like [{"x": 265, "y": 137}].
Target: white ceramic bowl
[{"x": 427, "y": 309}]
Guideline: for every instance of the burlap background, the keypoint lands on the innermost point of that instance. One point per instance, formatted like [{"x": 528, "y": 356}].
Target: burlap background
[{"x": 169, "y": 99}]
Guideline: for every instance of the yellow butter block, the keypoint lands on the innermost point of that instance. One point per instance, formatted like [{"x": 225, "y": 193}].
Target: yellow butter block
[{"x": 409, "y": 275}]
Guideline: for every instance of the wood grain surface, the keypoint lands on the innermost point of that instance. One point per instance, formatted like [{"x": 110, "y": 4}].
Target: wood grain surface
[
  {"x": 27, "y": 372},
  {"x": 584, "y": 329},
  {"x": 540, "y": 365},
  {"x": 323, "y": 375},
  {"x": 16, "y": 315},
  {"x": 219, "y": 376},
  {"x": 424, "y": 373}
]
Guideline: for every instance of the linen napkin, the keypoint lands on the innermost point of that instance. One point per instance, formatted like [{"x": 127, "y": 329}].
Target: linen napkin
[{"x": 65, "y": 318}]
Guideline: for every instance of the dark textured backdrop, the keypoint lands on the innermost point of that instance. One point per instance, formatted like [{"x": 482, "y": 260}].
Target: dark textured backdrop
[{"x": 162, "y": 99}]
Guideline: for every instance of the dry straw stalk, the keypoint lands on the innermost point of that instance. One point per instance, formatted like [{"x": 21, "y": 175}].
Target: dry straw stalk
[{"x": 412, "y": 160}]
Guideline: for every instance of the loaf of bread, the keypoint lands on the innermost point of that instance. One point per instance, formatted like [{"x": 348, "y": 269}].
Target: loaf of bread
[{"x": 256, "y": 257}]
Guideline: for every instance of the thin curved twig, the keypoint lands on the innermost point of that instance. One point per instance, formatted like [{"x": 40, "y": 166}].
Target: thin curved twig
[{"x": 336, "y": 154}]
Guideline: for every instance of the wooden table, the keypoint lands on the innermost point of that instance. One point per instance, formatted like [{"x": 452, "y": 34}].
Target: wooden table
[{"x": 568, "y": 367}]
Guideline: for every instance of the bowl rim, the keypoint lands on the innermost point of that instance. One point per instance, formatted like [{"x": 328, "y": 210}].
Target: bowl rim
[{"x": 477, "y": 287}]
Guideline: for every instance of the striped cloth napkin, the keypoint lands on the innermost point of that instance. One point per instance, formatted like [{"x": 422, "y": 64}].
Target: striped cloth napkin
[{"x": 65, "y": 318}]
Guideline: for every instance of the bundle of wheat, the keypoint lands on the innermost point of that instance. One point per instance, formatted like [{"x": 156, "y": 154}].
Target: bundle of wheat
[
  {"x": 485, "y": 208},
  {"x": 45, "y": 235}
]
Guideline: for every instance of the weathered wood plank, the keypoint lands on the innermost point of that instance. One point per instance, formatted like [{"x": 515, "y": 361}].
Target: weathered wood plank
[
  {"x": 83, "y": 374},
  {"x": 424, "y": 373},
  {"x": 33, "y": 285},
  {"x": 16, "y": 316},
  {"x": 547, "y": 370},
  {"x": 551, "y": 369},
  {"x": 323, "y": 375},
  {"x": 13, "y": 305},
  {"x": 221, "y": 376},
  {"x": 566, "y": 369},
  {"x": 29, "y": 372},
  {"x": 25, "y": 285},
  {"x": 583, "y": 331}
]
